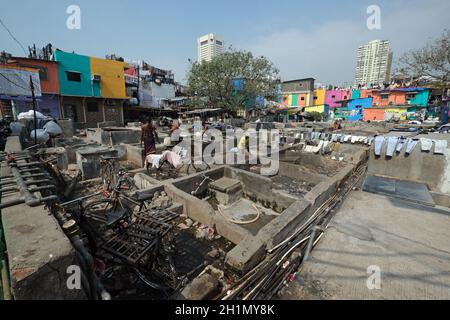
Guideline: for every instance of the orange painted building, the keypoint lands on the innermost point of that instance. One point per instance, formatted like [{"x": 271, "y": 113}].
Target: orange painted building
[
  {"x": 48, "y": 72},
  {"x": 388, "y": 98},
  {"x": 366, "y": 93},
  {"x": 303, "y": 99},
  {"x": 373, "y": 114}
]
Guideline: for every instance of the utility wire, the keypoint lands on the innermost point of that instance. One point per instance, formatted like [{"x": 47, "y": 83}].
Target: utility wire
[
  {"x": 9, "y": 80},
  {"x": 12, "y": 36}
]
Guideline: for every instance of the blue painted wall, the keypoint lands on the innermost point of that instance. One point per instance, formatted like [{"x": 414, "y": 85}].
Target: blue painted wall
[
  {"x": 358, "y": 105},
  {"x": 421, "y": 98},
  {"x": 77, "y": 63},
  {"x": 352, "y": 110},
  {"x": 47, "y": 104},
  {"x": 356, "y": 94}
]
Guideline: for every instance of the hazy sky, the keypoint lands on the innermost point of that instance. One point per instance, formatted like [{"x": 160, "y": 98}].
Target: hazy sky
[{"x": 303, "y": 38}]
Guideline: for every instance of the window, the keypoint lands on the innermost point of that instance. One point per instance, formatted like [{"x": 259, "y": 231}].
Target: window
[
  {"x": 73, "y": 76},
  {"x": 315, "y": 98},
  {"x": 303, "y": 98},
  {"x": 92, "y": 106},
  {"x": 204, "y": 42},
  {"x": 219, "y": 42},
  {"x": 333, "y": 97},
  {"x": 345, "y": 97},
  {"x": 384, "y": 96}
]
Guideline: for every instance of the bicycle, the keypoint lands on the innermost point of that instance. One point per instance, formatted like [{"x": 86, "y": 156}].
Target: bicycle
[
  {"x": 116, "y": 204},
  {"x": 107, "y": 171},
  {"x": 144, "y": 253}
]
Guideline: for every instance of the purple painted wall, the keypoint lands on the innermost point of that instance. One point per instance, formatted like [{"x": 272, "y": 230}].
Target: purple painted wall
[{"x": 48, "y": 104}]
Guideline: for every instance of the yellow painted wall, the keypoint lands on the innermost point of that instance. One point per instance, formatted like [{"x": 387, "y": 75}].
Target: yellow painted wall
[
  {"x": 320, "y": 94},
  {"x": 113, "y": 78},
  {"x": 308, "y": 100},
  {"x": 400, "y": 111},
  {"x": 320, "y": 109}
]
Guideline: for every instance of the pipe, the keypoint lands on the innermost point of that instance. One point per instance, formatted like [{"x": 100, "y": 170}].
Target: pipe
[
  {"x": 311, "y": 242},
  {"x": 88, "y": 262},
  {"x": 5, "y": 282},
  {"x": 79, "y": 246},
  {"x": 12, "y": 203},
  {"x": 264, "y": 276}
]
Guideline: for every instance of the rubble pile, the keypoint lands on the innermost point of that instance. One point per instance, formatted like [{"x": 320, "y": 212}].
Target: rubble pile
[{"x": 160, "y": 201}]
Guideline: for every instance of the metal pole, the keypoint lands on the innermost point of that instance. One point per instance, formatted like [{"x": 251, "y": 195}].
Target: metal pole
[{"x": 34, "y": 109}]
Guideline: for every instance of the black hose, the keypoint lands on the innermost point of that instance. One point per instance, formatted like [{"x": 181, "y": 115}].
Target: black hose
[
  {"x": 86, "y": 258},
  {"x": 79, "y": 246}
]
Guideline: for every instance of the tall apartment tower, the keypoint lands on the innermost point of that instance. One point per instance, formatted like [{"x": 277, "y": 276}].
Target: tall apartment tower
[
  {"x": 208, "y": 47},
  {"x": 374, "y": 63}
]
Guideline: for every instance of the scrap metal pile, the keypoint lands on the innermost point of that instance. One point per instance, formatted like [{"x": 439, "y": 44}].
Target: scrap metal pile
[
  {"x": 122, "y": 240},
  {"x": 28, "y": 178},
  {"x": 124, "y": 244},
  {"x": 282, "y": 263}
]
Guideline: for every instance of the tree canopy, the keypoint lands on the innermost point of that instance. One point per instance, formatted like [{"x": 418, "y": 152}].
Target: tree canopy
[
  {"x": 211, "y": 82},
  {"x": 431, "y": 61}
]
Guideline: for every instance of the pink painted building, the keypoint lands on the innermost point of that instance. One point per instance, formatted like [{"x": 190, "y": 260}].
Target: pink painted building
[{"x": 332, "y": 97}]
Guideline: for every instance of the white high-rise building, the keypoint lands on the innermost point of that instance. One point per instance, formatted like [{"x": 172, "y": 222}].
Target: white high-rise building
[
  {"x": 374, "y": 63},
  {"x": 208, "y": 47}
]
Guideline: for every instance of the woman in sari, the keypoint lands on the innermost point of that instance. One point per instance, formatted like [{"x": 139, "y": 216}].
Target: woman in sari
[{"x": 149, "y": 137}]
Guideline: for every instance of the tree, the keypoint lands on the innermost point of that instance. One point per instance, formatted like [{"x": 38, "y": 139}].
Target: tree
[
  {"x": 213, "y": 83},
  {"x": 432, "y": 61}
]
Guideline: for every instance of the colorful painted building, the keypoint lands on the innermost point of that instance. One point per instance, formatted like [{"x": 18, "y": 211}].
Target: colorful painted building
[
  {"x": 298, "y": 93},
  {"x": 352, "y": 110},
  {"x": 110, "y": 75},
  {"x": 92, "y": 90},
  {"x": 319, "y": 97},
  {"x": 400, "y": 96},
  {"x": 300, "y": 100},
  {"x": 48, "y": 103},
  {"x": 15, "y": 89},
  {"x": 356, "y": 94},
  {"x": 373, "y": 114},
  {"x": 323, "y": 109},
  {"x": 333, "y": 97}
]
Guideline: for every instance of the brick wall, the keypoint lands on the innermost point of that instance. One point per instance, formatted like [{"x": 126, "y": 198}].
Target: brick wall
[
  {"x": 103, "y": 112},
  {"x": 114, "y": 112},
  {"x": 93, "y": 117}
]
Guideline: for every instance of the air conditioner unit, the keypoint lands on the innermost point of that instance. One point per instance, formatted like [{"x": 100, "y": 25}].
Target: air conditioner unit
[{"x": 96, "y": 78}]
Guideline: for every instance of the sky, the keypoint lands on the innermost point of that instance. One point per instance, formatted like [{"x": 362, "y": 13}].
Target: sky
[{"x": 302, "y": 38}]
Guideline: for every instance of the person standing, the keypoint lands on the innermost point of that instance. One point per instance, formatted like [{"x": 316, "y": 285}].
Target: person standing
[{"x": 149, "y": 137}]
